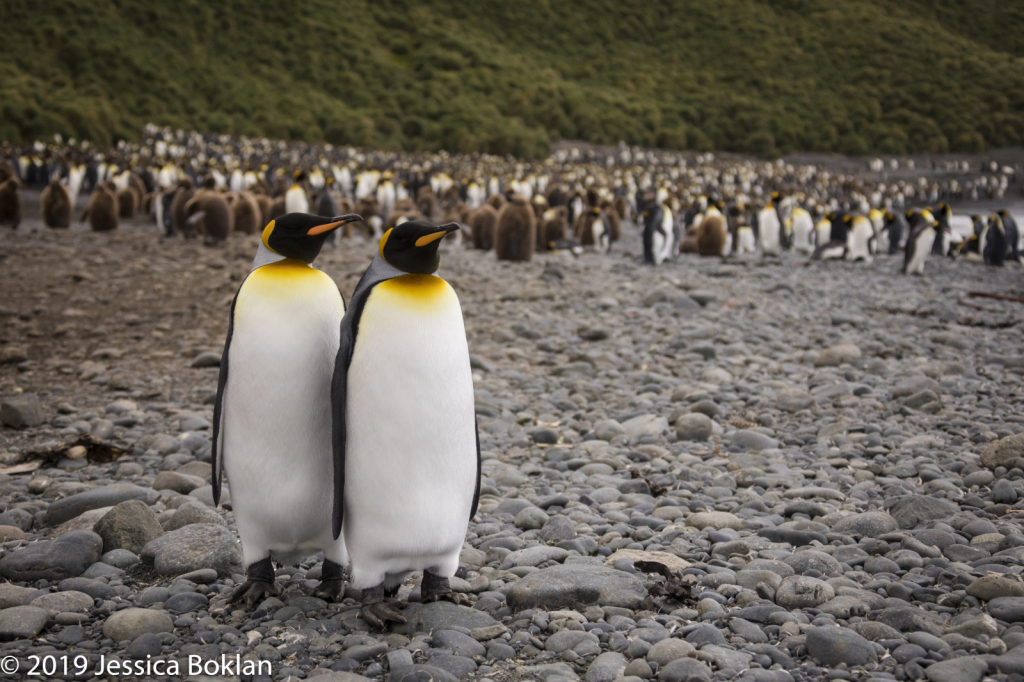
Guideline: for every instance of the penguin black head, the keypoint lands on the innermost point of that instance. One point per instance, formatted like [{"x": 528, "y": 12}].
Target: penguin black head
[
  {"x": 412, "y": 246},
  {"x": 301, "y": 235}
]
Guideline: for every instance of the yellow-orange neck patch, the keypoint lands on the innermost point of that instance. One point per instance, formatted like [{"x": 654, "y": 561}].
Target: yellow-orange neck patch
[{"x": 266, "y": 234}]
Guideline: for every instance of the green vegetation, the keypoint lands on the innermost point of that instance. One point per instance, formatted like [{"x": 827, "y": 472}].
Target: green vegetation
[{"x": 762, "y": 76}]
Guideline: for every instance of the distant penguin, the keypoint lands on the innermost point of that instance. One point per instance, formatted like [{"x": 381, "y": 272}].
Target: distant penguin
[
  {"x": 496, "y": 201},
  {"x": 406, "y": 448},
  {"x": 247, "y": 216},
  {"x": 553, "y": 227},
  {"x": 1012, "y": 234},
  {"x": 264, "y": 202},
  {"x": 859, "y": 240},
  {"x": 803, "y": 231},
  {"x": 128, "y": 202},
  {"x": 612, "y": 221},
  {"x": 102, "y": 211},
  {"x": 994, "y": 245},
  {"x": 326, "y": 205},
  {"x": 182, "y": 195},
  {"x": 712, "y": 236},
  {"x": 592, "y": 230},
  {"x": 769, "y": 231},
  {"x": 295, "y": 199},
  {"x": 659, "y": 242},
  {"x": 515, "y": 232},
  {"x": 838, "y": 232},
  {"x": 10, "y": 202},
  {"x": 896, "y": 230},
  {"x": 919, "y": 246},
  {"x": 272, "y": 413},
  {"x": 55, "y": 205},
  {"x": 209, "y": 214}
]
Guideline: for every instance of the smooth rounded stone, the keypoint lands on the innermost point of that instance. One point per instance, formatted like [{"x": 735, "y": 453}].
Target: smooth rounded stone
[
  {"x": 843, "y": 353},
  {"x": 1007, "y": 609},
  {"x": 645, "y": 425},
  {"x": 753, "y": 440},
  {"x": 192, "y": 513},
  {"x": 120, "y": 558},
  {"x": 154, "y": 595},
  {"x": 792, "y": 400},
  {"x": 879, "y": 564},
  {"x": 129, "y": 525},
  {"x": 870, "y": 524},
  {"x": 810, "y": 559},
  {"x": 569, "y": 639},
  {"x": 991, "y": 587},
  {"x": 569, "y": 586},
  {"x": 545, "y": 436},
  {"x": 832, "y": 645},
  {"x": 534, "y": 556},
  {"x": 907, "y": 619},
  {"x": 749, "y": 579},
  {"x": 914, "y": 511},
  {"x": 186, "y": 601},
  {"x": 21, "y": 411},
  {"x": 66, "y": 557},
  {"x": 667, "y": 650},
  {"x": 207, "y": 359},
  {"x": 905, "y": 653},
  {"x": 781, "y": 569},
  {"x": 876, "y": 632},
  {"x": 22, "y": 622},
  {"x": 97, "y": 498},
  {"x": 97, "y": 589},
  {"x": 196, "y": 546},
  {"x": 607, "y": 429},
  {"x": 1003, "y": 492},
  {"x": 748, "y": 631},
  {"x": 556, "y": 529},
  {"x": 979, "y": 478},
  {"x": 714, "y": 519},
  {"x": 802, "y": 592},
  {"x": 459, "y": 643},
  {"x": 459, "y": 666},
  {"x": 513, "y": 506},
  {"x": 15, "y": 522},
  {"x": 556, "y": 672},
  {"x": 204, "y": 576},
  {"x": 442, "y": 615},
  {"x": 147, "y": 644},
  {"x": 531, "y": 518},
  {"x": 63, "y": 602},
  {"x": 670, "y": 561},
  {"x": 606, "y": 667},
  {"x": 1002, "y": 452},
  {"x": 708, "y": 608},
  {"x": 705, "y": 634},
  {"x": 178, "y": 482},
  {"x": 685, "y": 670},
  {"x": 694, "y": 427},
  {"x": 414, "y": 673},
  {"x": 965, "y": 669},
  {"x": 13, "y": 595},
  {"x": 638, "y": 669},
  {"x": 128, "y": 624}
]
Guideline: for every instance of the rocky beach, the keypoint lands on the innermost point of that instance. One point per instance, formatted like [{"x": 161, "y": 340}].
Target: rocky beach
[{"x": 767, "y": 470}]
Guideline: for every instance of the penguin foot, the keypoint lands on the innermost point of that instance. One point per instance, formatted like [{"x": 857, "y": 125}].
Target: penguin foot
[
  {"x": 252, "y": 592},
  {"x": 332, "y": 583},
  {"x": 258, "y": 586},
  {"x": 437, "y": 588},
  {"x": 376, "y": 611}
]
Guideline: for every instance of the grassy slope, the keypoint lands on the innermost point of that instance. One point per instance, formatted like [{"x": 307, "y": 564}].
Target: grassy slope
[{"x": 508, "y": 77}]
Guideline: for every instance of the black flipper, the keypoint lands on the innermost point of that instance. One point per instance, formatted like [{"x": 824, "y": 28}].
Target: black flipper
[
  {"x": 218, "y": 405},
  {"x": 379, "y": 271},
  {"x": 476, "y": 490}
]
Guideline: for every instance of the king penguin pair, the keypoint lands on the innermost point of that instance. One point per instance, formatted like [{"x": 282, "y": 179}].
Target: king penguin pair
[{"x": 352, "y": 433}]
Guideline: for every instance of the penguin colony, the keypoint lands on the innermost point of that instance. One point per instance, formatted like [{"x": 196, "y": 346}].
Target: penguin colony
[{"x": 208, "y": 187}]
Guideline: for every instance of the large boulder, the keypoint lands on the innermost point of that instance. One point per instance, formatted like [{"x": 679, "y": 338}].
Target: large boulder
[
  {"x": 196, "y": 546},
  {"x": 576, "y": 585},
  {"x": 129, "y": 525},
  {"x": 66, "y": 557}
]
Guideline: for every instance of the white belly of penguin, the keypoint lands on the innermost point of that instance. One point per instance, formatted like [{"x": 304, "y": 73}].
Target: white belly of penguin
[
  {"x": 410, "y": 465},
  {"x": 922, "y": 248},
  {"x": 277, "y": 421},
  {"x": 768, "y": 231}
]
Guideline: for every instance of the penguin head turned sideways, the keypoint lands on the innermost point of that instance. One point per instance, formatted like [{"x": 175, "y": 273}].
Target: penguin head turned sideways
[
  {"x": 412, "y": 246},
  {"x": 301, "y": 235}
]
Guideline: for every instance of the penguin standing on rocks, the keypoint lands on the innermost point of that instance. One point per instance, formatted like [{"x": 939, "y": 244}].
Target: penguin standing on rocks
[
  {"x": 102, "y": 211},
  {"x": 272, "y": 415},
  {"x": 993, "y": 243},
  {"x": 55, "y": 205},
  {"x": 1012, "y": 234},
  {"x": 296, "y": 199},
  {"x": 10, "y": 202},
  {"x": 659, "y": 243},
  {"x": 894, "y": 227},
  {"x": 923, "y": 233},
  {"x": 406, "y": 448},
  {"x": 515, "y": 233}
]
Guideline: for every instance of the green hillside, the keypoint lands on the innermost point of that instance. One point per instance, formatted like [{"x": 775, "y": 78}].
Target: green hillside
[{"x": 768, "y": 77}]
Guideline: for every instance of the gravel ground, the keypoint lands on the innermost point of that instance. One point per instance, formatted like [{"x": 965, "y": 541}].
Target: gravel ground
[{"x": 796, "y": 446}]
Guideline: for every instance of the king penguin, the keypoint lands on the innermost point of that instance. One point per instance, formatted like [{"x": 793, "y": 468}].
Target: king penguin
[
  {"x": 406, "y": 447},
  {"x": 272, "y": 415}
]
